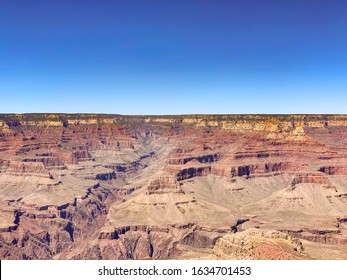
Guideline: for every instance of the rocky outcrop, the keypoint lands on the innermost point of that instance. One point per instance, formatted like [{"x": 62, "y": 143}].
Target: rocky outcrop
[
  {"x": 201, "y": 159},
  {"x": 191, "y": 172},
  {"x": 254, "y": 169},
  {"x": 309, "y": 178},
  {"x": 256, "y": 244},
  {"x": 333, "y": 237},
  {"x": 163, "y": 184},
  {"x": 105, "y": 176},
  {"x": 334, "y": 170}
]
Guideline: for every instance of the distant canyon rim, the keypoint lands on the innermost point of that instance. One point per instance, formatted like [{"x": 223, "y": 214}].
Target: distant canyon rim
[{"x": 98, "y": 186}]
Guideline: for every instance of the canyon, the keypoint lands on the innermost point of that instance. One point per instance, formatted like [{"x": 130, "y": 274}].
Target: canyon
[{"x": 98, "y": 186}]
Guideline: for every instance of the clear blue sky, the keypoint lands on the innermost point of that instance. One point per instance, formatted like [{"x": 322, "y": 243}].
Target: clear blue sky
[{"x": 173, "y": 57}]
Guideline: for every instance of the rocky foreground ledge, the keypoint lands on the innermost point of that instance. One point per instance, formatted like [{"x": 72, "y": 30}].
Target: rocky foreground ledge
[{"x": 86, "y": 186}]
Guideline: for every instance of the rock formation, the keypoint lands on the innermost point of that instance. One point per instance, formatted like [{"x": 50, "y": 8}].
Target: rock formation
[
  {"x": 256, "y": 244},
  {"x": 81, "y": 186}
]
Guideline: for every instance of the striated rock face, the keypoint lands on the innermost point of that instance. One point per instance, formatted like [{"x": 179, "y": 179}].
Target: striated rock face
[
  {"x": 27, "y": 169},
  {"x": 79, "y": 186}
]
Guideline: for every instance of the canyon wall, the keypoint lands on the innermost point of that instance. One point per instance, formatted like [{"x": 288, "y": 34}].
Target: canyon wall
[{"x": 86, "y": 186}]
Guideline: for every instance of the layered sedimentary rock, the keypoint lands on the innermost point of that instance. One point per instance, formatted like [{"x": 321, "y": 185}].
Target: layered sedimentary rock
[{"x": 158, "y": 187}]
